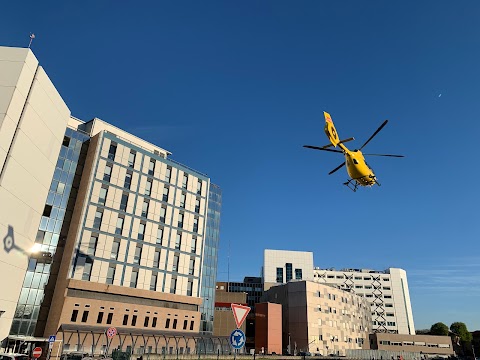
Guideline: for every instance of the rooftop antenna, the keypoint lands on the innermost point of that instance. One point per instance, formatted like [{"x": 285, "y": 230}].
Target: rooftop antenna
[{"x": 32, "y": 36}]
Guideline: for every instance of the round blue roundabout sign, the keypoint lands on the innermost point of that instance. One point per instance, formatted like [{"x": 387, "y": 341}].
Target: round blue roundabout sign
[{"x": 237, "y": 339}]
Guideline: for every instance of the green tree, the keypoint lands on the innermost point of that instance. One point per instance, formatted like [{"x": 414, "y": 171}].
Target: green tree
[
  {"x": 460, "y": 329},
  {"x": 439, "y": 329}
]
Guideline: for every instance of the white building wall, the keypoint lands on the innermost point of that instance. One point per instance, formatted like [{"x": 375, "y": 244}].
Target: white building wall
[
  {"x": 387, "y": 292},
  {"x": 274, "y": 259},
  {"x": 401, "y": 300},
  {"x": 33, "y": 119}
]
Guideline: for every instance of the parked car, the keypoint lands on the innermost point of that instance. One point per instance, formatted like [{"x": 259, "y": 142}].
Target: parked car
[
  {"x": 13, "y": 357},
  {"x": 74, "y": 355},
  {"x": 305, "y": 353}
]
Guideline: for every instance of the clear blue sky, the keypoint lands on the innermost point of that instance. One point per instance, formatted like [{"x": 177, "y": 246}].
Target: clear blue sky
[{"x": 234, "y": 89}]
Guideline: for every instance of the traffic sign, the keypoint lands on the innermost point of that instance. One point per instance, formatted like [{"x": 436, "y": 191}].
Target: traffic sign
[
  {"x": 240, "y": 313},
  {"x": 237, "y": 339},
  {"x": 37, "y": 352},
  {"x": 111, "y": 332},
  {"x": 51, "y": 339}
]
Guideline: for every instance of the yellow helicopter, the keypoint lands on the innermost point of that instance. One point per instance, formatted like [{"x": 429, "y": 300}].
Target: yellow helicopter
[{"x": 359, "y": 171}]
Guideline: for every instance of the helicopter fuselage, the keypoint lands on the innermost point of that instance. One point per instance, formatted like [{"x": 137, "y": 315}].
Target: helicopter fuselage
[{"x": 358, "y": 168}]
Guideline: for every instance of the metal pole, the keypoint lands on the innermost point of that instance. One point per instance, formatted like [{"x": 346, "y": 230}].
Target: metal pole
[
  {"x": 473, "y": 350},
  {"x": 289, "y": 345},
  {"x": 58, "y": 350}
]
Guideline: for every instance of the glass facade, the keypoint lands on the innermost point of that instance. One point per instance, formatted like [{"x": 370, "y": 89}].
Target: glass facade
[
  {"x": 209, "y": 267},
  {"x": 37, "y": 290}
]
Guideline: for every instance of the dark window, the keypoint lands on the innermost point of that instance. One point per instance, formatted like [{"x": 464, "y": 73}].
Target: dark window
[
  {"x": 131, "y": 158},
  {"x": 102, "y": 197},
  {"x": 134, "y": 320},
  {"x": 97, "y": 221},
  {"x": 159, "y": 235},
  {"x": 178, "y": 241},
  {"x": 180, "y": 220},
  {"x": 85, "y": 316},
  {"x": 119, "y": 228},
  {"x": 163, "y": 212},
  {"x": 169, "y": 173},
  {"x": 123, "y": 202},
  {"x": 74, "y": 315},
  {"x": 156, "y": 259},
  {"x": 174, "y": 324},
  {"x": 109, "y": 318},
  {"x": 288, "y": 272},
  {"x": 112, "y": 151},
  {"x": 191, "y": 324},
  {"x": 110, "y": 274},
  {"x": 189, "y": 288},
  {"x": 151, "y": 167},
  {"x": 191, "y": 267},
  {"x": 100, "y": 318},
  {"x": 153, "y": 282},
  {"x": 185, "y": 323},
  {"x": 138, "y": 255},
  {"x": 115, "y": 248},
  {"x": 176, "y": 259},
  {"x": 133, "y": 279},
  {"x": 154, "y": 322},
  {"x": 145, "y": 323},
  {"x": 66, "y": 141},
  {"x": 199, "y": 187},
  {"x": 298, "y": 274},
  {"x": 195, "y": 224},
  {"x": 148, "y": 187},
  {"x": 87, "y": 269},
  {"x": 167, "y": 323},
  {"x": 125, "y": 319},
  {"x": 355, "y": 161},
  {"x": 141, "y": 231},
  {"x": 47, "y": 210},
  {"x": 165, "y": 194},
  {"x": 128, "y": 180},
  {"x": 279, "y": 275},
  {"x": 107, "y": 175},
  {"x": 145, "y": 205},
  {"x": 197, "y": 206},
  {"x": 92, "y": 245}
]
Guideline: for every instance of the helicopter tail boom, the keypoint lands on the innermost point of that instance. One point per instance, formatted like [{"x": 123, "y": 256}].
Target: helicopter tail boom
[{"x": 330, "y": 130}]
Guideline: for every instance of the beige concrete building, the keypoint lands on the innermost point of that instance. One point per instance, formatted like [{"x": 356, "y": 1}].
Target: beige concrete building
[
  {"x": 224, "y": 322},
  {"x": 137, "y": 231},
  {"x": 386, "y": 291},
  {"x": 321, "y": 319},
  {"x": 268, "y": 328},
  {"x": 430, "y": 345},
  {"x": 33, "y": 118}
]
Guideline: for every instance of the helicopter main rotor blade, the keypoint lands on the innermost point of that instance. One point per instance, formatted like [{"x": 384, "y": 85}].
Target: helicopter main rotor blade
[
  {"x": 340, "y": 142},
  {"x": 398, "y": 156},
  {"x": 337, "y": 168},
  {"x": 321, "y": 148},
  {"x": 374, "y": 134}
]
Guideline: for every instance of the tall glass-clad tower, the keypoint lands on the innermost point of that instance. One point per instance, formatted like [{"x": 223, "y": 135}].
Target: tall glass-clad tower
[
  {"x": 209, "y": 268},
  {"x": 37, "y": 290}
]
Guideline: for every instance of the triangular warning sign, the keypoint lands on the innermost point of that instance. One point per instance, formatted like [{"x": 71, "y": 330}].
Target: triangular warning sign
[{"x": 240, "y": 313}]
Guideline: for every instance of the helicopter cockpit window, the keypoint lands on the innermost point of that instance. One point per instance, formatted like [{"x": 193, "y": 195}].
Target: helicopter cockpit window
[{"x": 355, "y": 161}]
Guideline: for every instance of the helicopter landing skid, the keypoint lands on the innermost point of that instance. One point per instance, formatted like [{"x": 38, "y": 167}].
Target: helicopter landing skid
[{"x": 352, "y": 184}]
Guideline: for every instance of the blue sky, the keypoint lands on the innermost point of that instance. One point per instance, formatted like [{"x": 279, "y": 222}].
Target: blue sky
[{"x": 234, "y": 89}]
